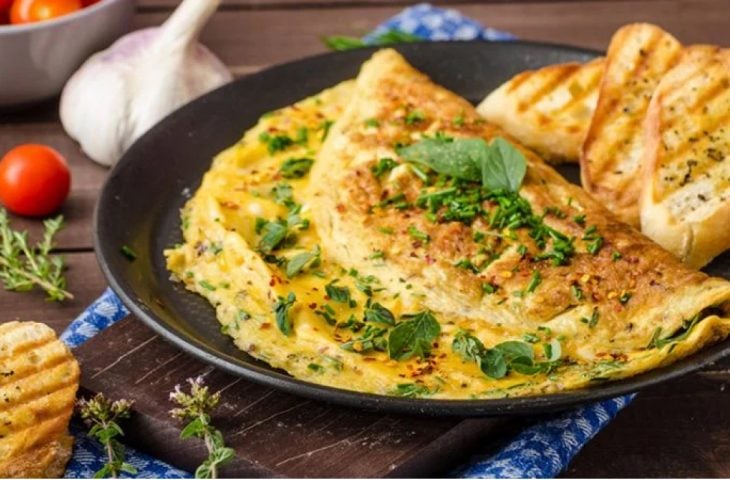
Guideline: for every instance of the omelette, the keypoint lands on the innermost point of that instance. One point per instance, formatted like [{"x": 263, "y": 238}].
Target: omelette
[{"x": 382, "y": 237}]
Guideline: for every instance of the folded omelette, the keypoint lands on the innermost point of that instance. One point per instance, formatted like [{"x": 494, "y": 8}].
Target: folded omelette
[{"x": 382, "y": 237}]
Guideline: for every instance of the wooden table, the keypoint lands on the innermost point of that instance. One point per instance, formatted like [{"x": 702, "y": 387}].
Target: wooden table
[{"x": 679, "y": 429}]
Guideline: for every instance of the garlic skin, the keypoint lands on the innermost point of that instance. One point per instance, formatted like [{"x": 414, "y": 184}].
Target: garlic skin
[{"x": 119, "y": 93}]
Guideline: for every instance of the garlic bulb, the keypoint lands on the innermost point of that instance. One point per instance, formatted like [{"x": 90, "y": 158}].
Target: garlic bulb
[{"x": 119, "y": 93}]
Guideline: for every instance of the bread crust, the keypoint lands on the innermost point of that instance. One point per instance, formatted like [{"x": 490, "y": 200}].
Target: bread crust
[
  {"x": 638, "y": 57},
  {"x": 687, "y": 146},
  {"x": 39, "y": 378},
  {"x": 549, "y": 109}
]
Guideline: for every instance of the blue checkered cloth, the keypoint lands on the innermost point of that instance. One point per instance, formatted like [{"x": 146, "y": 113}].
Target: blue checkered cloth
[{"x": 542, "y": 450}]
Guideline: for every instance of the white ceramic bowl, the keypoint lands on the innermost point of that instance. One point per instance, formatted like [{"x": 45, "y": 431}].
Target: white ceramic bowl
[{"x": 36, "y": 59}]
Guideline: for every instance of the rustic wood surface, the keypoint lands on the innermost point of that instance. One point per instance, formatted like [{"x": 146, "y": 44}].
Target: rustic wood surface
[
  {"x": 679, "y": 429},
  {"x": 275, "y": 434}
]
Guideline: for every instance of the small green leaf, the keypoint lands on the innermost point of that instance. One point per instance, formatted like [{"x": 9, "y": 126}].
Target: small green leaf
[
  {"x": 281, "y": 312},
  {"x": 296, "y": 167},
  {"x": 302, "y": 261},
  {"x": 504, "y": 167},
  {"x": 379, "y": 314},
  {"x": 493, "y": 364},
  {"x": 459, "y": 158},
  {"x": 413, "y": 336}
]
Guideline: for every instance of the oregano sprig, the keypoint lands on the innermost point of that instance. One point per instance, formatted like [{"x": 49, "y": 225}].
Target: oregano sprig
[
  {"x": 196, "y": 407},
  {"x": 23, "y": 267},
  {"x": 102, "y": 416}
]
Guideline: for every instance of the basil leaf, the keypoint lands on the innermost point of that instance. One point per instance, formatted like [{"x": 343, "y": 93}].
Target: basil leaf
[
  {"x": 379, "y": 314},
  {"x": 504, "y": 167},
  {"x": 493, "y": 364},
  {"x": 281, "y": 311},
  {"x": 296, "y": 167},
  {"x": 460, "y": 158},
  {"x": 414, "y": 336},
  {"x": 302, "y": 261},
  {"x": 468, "y": 347},
  {"x": 514, "y": 350}
]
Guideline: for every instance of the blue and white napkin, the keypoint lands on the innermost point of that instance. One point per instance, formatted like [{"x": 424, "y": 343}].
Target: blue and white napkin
[{"x": 542, "y": 450}]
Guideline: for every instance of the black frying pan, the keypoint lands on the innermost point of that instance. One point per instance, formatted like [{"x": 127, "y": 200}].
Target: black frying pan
[{"x": 140, "y": 201}]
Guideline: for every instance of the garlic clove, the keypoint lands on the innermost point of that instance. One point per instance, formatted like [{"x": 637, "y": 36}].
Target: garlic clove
[{"x": 119, "y": 93}]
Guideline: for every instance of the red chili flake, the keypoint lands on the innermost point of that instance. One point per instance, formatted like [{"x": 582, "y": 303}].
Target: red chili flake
[
  {"x": 429, "y": 260},
  {"x": 341, "y": 208},
  {"x": 265, "y": 326},
  {"x": 312, "y": 305},
  {"x": 230, "y": 205}
]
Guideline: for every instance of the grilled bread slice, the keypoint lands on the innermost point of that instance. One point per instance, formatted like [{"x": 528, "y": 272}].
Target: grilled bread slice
[
  {"x": 549, "y": 109},
  {"x": 685, "y": 205},
  {"x": 38, "y": 382},
  {"x": 638, "y": 57}
]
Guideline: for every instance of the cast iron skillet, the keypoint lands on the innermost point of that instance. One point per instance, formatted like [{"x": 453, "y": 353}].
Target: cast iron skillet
[{"x": 140, "y": 202}]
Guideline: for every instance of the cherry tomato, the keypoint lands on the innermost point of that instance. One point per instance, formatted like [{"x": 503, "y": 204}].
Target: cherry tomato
[
  {"x": 28, "y": 11},
  {"x": 88, "y": 3},
  {"x": 5, "y": 6},
  {"x": 34, "y": 180}
]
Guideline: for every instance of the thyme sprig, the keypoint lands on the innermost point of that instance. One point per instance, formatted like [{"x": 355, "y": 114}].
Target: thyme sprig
[
  {"x": 102, "y": 415},
  {"x": 23, "y": 267},
  {"x": 196, "y": 407}
]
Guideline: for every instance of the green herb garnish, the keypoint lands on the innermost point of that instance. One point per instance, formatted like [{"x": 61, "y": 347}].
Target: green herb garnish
[
  {"x": 281, "y": 312},
  {"x": 303, "y": 261},
  {"x": 390, "y": 37},
  {"x": 296, "y": 167},
  {"x": 413, "y": 336},
  {"x": 275, "y": 143}
]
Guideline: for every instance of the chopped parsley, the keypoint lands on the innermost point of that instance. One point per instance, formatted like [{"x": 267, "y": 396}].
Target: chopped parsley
[
  {"x": 414, "y": 116},
  {"x": 411, "y": 390},
  {"x": 302, "y": 261},
  {"x": 379, "y": 314},
  {"x": 624, "y": 298},
  {"x": 383, "y": 166},
  {"x": 593, "y": 240},
  {"x": 488, "y": 288},
  {"x": 372, "y": 122},
  {"x": 616, "y": 256},
  {"x": 275, "y": 143},
  {"x": 281, "y": 312},
  {"x": 339, "y": 294},
  {"x": 296, "y": 167}
]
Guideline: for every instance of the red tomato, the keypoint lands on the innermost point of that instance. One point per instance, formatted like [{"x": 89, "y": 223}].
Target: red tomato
[
  {"x": 34, "y": 180},
  {"x": 5, "y": 6},
  {"x": 28, "y": 11},
  {"x": 88, "y": 3}
]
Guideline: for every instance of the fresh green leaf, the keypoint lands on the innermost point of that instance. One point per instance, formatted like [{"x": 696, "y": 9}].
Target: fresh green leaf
[
  {"x": 379, "y": 314},
  {"x": 281, "y": 312},
  {"x": 302, "y": 261},
  {"x": 460, "y": 158},
  {"x": 411, "y": 390},
  {"x": 413, "y": 336},
  {"x": 338, "y": 293},
  {"x": 504, "y": 166},
  {"x": 296, "y": 167},
  {"x": 383, "y": 166}
]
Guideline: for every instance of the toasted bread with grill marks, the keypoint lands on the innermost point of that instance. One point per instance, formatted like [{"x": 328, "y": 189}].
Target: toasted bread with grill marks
[
  {"x": 38, "y": 381},
  {"x": 685, "y": 204},
  {"x": 638, "y": 57},
  {"x": 550, "y": 109}
]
